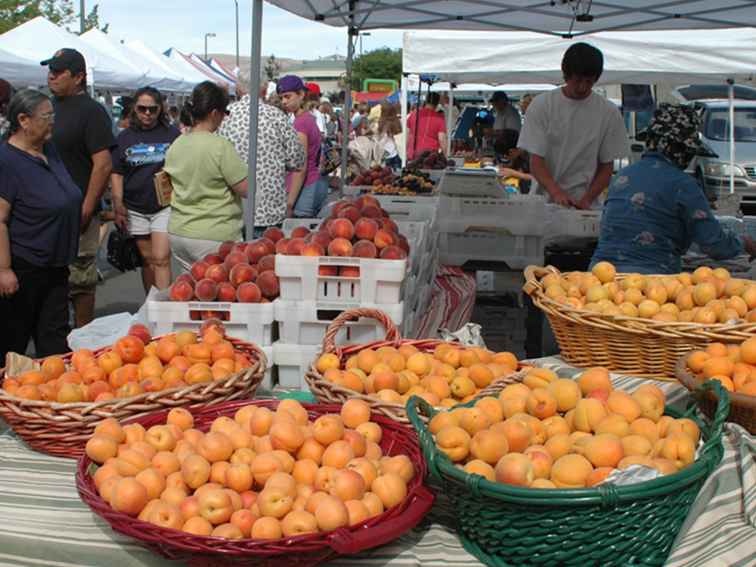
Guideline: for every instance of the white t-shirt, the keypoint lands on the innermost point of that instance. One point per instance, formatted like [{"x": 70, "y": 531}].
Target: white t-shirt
[
  {"x": 320, "y": 120},
  {"x": 574, "y": 137},
  {"x": 509, "y": 119}
]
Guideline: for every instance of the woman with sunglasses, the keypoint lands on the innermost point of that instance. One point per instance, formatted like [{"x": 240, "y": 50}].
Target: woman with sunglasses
[
  {"x": 40, "y": 213},
  {"x": 209, "y": 180},
  {"x": 140, "y": 154}
]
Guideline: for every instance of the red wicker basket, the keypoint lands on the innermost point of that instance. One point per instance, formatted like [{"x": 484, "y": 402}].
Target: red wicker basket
[
  {"x": 328, "y": 392},
  {"x": 297, "y": 551},
  {"x": 62, "y": 430}
]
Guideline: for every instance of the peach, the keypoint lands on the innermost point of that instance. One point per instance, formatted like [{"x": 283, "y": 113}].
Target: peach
[
  {"x": 248, "y": 292},
  {"x": 516, "y": 469},
  {"x": 269, "y": 285},
  {"x": 341, "y": 228},
  {"x": 594, "y": 379},
  {"x": 340, "y": 247},
  {"x": 241, "y": 273},
  {"x": 571, "y": 471},
  {"x": 566, "y": 392}
]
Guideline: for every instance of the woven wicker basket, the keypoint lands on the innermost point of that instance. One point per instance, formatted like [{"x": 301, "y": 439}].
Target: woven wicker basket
[
  {"x": 742, "y": 406},
  {"x": 608, "y": 525},
  {"x": 328, "y": 392},
  {"x": 628, "y": 345},
  {"x": 297, "y": 551},
  {"x": 63, "y": 429}
]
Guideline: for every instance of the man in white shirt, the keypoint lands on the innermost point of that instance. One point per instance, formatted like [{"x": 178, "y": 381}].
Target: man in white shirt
[{"x": 573, "y": 135}]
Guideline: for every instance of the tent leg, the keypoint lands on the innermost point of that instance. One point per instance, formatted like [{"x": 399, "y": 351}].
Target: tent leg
[
  {"x": 352, "y": 33},
  {"x": 449, "y": 125},
  {"x": 254, "y": 101},
  {"x": 403, "y": 101},
  {"x": 731, "y": 96}
]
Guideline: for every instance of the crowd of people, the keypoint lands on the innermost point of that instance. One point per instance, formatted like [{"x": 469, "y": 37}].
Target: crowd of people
[{"x": 59, "y": 155}]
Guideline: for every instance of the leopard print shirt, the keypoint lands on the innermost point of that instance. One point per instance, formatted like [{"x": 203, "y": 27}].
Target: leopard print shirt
[{"x": 278, "y": 151}]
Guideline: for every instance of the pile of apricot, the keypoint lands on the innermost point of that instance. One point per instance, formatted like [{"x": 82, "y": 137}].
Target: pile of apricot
[
  {"x": 707, "y": 296},
  {"x": 551, "y": 432},
  {"x": 448, "y": 375},
  {"x": 134, "y": 365},
  {"x": 262, "y": 474},
  {"x": 733, "y": 365}
]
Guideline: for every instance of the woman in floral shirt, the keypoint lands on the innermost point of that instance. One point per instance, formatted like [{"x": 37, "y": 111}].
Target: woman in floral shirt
[{"x": 654, "y": 210}]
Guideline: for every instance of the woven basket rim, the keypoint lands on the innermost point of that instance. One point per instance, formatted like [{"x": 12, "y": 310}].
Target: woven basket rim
[
  {"x": 258, "y": 367},
  {"x": 688, "y": 380},
  {"x": 418, "y": 495},
  {"x": 639, "y": 325},
  {"x": 573, "y": 497}
]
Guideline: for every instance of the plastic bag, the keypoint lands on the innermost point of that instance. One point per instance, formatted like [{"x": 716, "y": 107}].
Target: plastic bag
[
  {"x": 104, "y": 331},
  {"x": 469, "y": 335},
  {"x": 123, "y": 253}
]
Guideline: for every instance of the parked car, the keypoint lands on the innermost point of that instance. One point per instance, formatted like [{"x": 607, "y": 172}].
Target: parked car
[{"x": 714, "y": 172}]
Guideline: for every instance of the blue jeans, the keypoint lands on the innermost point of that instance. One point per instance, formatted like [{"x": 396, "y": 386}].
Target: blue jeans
[{"x": 311, "y": 199}]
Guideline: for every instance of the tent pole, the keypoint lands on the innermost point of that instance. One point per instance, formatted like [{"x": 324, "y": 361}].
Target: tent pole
[
  {"x": 449, "y": 125},
  {"x": 351, "y": 34},
  {"x": 417, "y": 114},
  {"x": 731, "y": 96},
  {"x": 254, "y": 101},
  {"x": 403, "y": 102}
]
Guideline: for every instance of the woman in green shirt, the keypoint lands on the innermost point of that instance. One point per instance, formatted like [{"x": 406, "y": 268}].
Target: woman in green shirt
[{"x": 209, "y": 180}]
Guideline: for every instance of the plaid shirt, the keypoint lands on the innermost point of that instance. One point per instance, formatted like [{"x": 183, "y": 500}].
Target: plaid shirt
[{"x": 278, "y": 151}]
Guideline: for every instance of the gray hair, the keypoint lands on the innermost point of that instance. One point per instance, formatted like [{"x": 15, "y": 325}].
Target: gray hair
[
  {"x": 243, "y": 79},
  {"x": 25, "y": 101}
]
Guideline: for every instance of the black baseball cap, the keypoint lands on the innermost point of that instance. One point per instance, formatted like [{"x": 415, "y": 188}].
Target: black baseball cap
[
  {"x": 500, "y": 96},
  {"x": 66, "y": 59}
]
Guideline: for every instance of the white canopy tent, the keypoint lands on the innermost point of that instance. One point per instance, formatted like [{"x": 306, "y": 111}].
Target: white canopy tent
[
  {"x": 173, "y": 78},
  {"x": 20, "y": 71},
  {"x": 117, "y": 50},
  {"x": 39, "y": 39},
  {"x": 560, "y": 18},
  {"x": 638, "y": 57}
]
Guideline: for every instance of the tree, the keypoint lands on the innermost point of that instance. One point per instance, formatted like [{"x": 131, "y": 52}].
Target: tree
[
  {"x": 272, "y": 68},
  {"x": 92, "y": 21},
  {"x": 384, "y": 63},
  {"x": 15, "y": 12}
]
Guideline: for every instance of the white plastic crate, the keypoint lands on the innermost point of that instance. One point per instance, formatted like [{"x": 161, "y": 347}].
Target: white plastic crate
[
  {"x": 561, "y": 221},
  {"x": 292, "y": 361},
  {"x": 267, "y": 381},
  {"x": 510, "y": 214},
  {"x": 470, "y": 182},
  {"x": 306, "y": 322},
  {"x": 411, "y": 208},
  {"x": 517, "y": 252},
  {"x": 380, "y": 281},
  {"x": 251, "y": 322}
]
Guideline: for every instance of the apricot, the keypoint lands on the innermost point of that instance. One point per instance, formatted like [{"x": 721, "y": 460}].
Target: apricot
[
  {"x": 604, "y": 450},
  {"x": 338, "y": 454},
  {"x": 651, "y": 407},
  {"x": 286, "y": 436},
  {"x": 298, "y": 522},
  {"x": 474, "y": 420},
  {"x": 614, "y": 424},
  {"x": 492, "y": 408},
  {"x": 566, "y": 392},
  {"x": 390, "y": 488},
  {"x": 215, "y": 447},
  {"x": 679, "y": 448},
  {"x": 129, "y": 497},
  {"x": 597, "y": 476},
  {"x": 541, "y": 459},
  {"x": 454, "y": 441},
  {"x": 100, "y": 448},
  {"x": 646, "y": 428},
  {"x": 541, "y": 403},
  {"x": 685, "y": 426},
  {"x": 514, "y": 391},
  {"x": 539, "y": 378},
  {"x": 635, "y": 460},
  {"x": 266, "y": 528},
  {"x": 555, "y": 425},
  {"x": 636, "y": 445},
  {"x": 571, "y": 471},
  {"x": 488, "y": 446},
  {"x": 516, "y": 469},
  {"x": 594, "y": 379},
  {"x": 588, "y": 414},
  {"x": 111, "y": 428}
]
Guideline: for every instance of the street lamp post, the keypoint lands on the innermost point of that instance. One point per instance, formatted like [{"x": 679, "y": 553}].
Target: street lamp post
[
  {"x": 206, "y": 36},
  {"x": 82, "y": 17},
  {"x": 362, "y": 34},
  {"x": 236, "y": 3}
]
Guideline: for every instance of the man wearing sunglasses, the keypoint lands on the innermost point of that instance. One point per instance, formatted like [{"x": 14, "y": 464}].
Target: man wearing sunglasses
[{"x": 83, "y": 136}]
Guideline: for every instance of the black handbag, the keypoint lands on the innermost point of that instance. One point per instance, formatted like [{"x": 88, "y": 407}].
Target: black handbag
[{"x": 123, "y": 253}]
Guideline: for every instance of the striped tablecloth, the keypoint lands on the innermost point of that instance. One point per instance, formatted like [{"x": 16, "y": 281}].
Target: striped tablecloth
[
  {"x": 43, "y": 522},
  {"x": 452, "y": 303}
]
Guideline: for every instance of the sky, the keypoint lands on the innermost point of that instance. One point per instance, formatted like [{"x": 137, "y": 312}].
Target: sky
[{"x": 183, "y": 24}]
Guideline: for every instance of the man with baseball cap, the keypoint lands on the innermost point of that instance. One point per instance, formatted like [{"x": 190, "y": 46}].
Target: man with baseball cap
[
  {"x": 83, "y": 135},
  {"x": 507, "y": 117}
]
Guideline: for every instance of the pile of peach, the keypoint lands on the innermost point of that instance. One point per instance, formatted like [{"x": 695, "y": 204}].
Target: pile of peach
[
  {"x": 706, "y": 296},
  {"x": 450, "y": 375},
  {"x": 551, "y": 432},
  {"x": 133, "y": 366},
  {"x": 261, "y": 475},
  {"x": 239, "y": 271},
  {"x": 734, "y": 366}
]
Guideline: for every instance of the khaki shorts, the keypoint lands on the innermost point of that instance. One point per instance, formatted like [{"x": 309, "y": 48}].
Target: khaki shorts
[{"x": 83, "y": 278}]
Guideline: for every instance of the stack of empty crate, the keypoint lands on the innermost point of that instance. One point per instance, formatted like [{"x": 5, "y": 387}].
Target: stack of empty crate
[
  {"x": 310, "y": 299},
  {"x": 478, "y": 221},
  {"x": 250, "y": 322}
]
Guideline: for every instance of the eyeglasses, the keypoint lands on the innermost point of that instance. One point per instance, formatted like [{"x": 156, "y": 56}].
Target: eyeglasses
[
  {"x": 147, "y": 109},
  {"x": 47, "y": 116}
]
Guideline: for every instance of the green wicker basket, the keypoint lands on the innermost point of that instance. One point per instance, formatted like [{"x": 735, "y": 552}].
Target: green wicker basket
[{"x": 508, "y": 526}]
